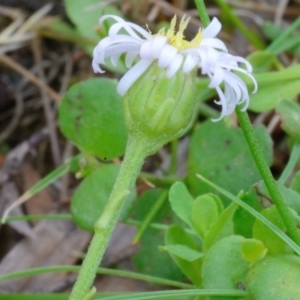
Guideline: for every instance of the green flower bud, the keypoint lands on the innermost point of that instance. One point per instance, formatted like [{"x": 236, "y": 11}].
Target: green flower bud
[{"x": 158, "y": 109}]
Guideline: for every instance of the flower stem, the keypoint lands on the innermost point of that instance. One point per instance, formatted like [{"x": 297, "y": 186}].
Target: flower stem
[
  {"x": 258, "y": 156},
  {"x": 202, "y": 12},
  {"x": 133, "y": 160},
  {"x": 267, "y": 176}
]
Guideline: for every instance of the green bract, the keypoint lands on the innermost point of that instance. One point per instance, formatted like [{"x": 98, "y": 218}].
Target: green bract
[{"x": 158, "y": 109}]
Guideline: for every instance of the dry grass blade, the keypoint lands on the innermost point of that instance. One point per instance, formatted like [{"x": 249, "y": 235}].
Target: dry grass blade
[
  {"x": 18, "y": 33},
  {"x": 17, "y": 67}
]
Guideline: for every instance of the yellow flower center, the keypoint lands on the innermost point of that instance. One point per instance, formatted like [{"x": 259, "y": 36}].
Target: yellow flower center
[{"x": 178, "y": 39}]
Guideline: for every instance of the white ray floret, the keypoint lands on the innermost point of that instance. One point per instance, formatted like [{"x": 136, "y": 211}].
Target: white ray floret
[{"x": 174, "y": 54}]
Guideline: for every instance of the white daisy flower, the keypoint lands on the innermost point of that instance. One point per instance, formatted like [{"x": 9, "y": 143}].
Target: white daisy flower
[{"x": 173, "y": 53}]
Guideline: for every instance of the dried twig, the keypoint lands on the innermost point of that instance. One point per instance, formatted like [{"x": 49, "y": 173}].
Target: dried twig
[
  {"x": 15, "y": 158},
  {"x": 172, "y": 10},
  {"x": 6, "y": 60},
  {"x": 67, "y": 75},
  {"x": 15, "y": 119},
  {"x": 20, "y": 32},
  {"x": 280, "y": 12},
  {"x": 263, "y": 8},
  {"x": 49, "y": 114}
]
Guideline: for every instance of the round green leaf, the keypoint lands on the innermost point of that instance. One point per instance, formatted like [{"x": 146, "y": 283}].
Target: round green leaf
[
  {"x": 253, "y": 250},
  {"x": 261, "y": 232},
  {"x": 182, "y": 251},
  {"x": 267, "y": 97},
  {"x": 223, "y": 266},
  {"x": 220, "y": 154},
  {"x": 258, "y": 198},
  {"x": 275, "y": 277},
  {"x": 90, "y": 198},
  {"x": 261, "y": 61},
  {"x": 290, "y": 114},
  {"x": 205, "y": 212},
  {"x": 181, "y": 202},
  {"x": 91, "y": 116},
  {"x": 243, "y": 220}
]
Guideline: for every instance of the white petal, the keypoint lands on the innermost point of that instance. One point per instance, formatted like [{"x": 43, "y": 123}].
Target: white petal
[
  {"x": 96, "y": 67},
  {"x": 127, "y": 26},
  {"x": 146, "y": 50},
  {"x": 132, "y": 75},
  {"x": 190, "y": 63},
  {"x": 254, "y": 82},
  {"x": 231, "y": 100},
  {"x": 239, "y": 59},
  {"x": 233, "y": 77},
  {"x": 129, "y": 58},
  {"x": 223, "y": 102},
  {"x": 235, "y": 90},
  {"x": 248, "y": 74},
  {"x": 208, "y": 59},
  {"x": 120, "y": 48},
  {"x": 214, "y": 43},
  {"x": 218, "y": 77},
  {"x": 175, "y": 65},
  {"x": 116, "y": 18},
  {"x": 166, "y": 56},
  {"x": 212, "y": 29},
  {"x": 158, "y": 44},
  {"x": 123, "y": 38},
  {"x": 115, "y": 51},
  {"x": 100, "y": 49},
  {"x": 115, "y": 58}
]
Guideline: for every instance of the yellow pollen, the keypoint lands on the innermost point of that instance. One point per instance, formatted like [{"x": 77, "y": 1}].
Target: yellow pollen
[{"x": 178, "y": 39}]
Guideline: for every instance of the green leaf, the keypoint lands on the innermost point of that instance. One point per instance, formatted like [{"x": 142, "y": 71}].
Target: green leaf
[
  {"x": 91, "y": 116},
  {"x": 205, "y": 211},
  {"x": 223, "y": 265},
  {"x": 295, "y": 184},
  {"x": 178, "y": 295},
  {"x": 261, "y": 61},
  {"x": 181, "y": 202},
  {"x": 35, "y": 296},
  {"x": 148, "y": 217},
  {"x": 243, "y": 220},
  {"x": 161, "y": 264},
  {"x": 222, "y": 227},
  {"x": 258, "y": 198},
  {"x": 261, "y": 232},
  {"x": 291, "y": 197},
  {"x": 254, "y": 213},
  {"x": 182, "y": 251},
  {"x": 53, "y": 296},
  {"x": 85, "y": 15},
  {"x": 253, "y": 250},
  {"x": 225, "y": 159},
  {"x": 290, "y": 114},
  {"x": 275, "y": 277},
  {"x": 90, "y": 198},
  {"x": 267, "y": 97},
  {"x": 61, "y": 30},
  {"x": 176, "y": 235},
  {"x": 102, "y": 271},
  {"x": 290, "y": 42}
]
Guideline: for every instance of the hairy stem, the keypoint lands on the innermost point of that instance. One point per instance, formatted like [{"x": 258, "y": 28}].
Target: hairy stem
[
  {"x": 202, "y": 12},
  {"x": 133, "y": 160},
  {"x": 267, "y": 176}
]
